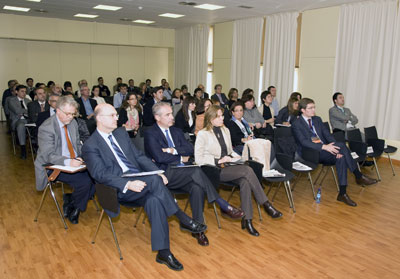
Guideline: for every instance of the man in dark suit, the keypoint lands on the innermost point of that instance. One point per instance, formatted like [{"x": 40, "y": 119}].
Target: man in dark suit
[
  {"x": 310, "y": 132},
  {"x": 42, "y": 116},
  {"x": 86, "y": 108},
  {"x": 148, "y": 118},
  {"x": 168, "y": 148},
  {"x": 204, "y": 95},
  {"x": 218, "y": 96},
  {"x": 109, "y": 153},
  {"x": 8, "y": 92},
  {"x": 104, "y": 91},
  {"x": 59, "y": 144},
  {"x": 37, "y": 106}
]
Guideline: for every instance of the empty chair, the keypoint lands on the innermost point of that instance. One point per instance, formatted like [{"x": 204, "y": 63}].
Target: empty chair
[
  {"x": 339, "y": 136},
  {"x": 372, "y": 134}
]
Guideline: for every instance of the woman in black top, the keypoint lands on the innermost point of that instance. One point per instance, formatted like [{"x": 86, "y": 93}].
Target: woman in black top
[
  {"x": 130, "y": 115},
  {"x": 288, "y": 115},
  {"x": 186, "y": 116},
  {"x": 239, "y": 128},
  {"x": 233, "y": 96}
]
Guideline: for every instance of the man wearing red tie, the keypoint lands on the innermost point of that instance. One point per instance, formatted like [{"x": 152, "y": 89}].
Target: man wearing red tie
[{"x": 59, "y": 144}]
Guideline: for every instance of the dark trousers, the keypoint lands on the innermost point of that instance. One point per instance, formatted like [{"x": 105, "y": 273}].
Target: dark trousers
[
  {"x": 19, "y": 128},
  {"x": 248, "y": 182},
  {"x": 83, "y": 187},
  {"x": 158, "y": 204},
  {"x": 342, "y": 164},
  {"x": 193, "y": 181}
]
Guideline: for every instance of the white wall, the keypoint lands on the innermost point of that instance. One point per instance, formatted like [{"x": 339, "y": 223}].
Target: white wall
[{"x": 223, "y": 36}]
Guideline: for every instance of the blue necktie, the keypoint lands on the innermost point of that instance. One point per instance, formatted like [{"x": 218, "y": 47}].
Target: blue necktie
[
  {"x": 121, "y": 155},
  {"x": 169, "y": 140}
]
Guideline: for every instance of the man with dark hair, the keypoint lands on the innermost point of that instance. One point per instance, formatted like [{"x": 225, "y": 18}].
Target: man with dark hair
[
  {"x": 8, "y": 92},
  {"x": 18, "y": 108},
  {"x": 116, "y": 87},
  {"x": 86, "y": 108},
  {"x": 67, "y": 87},
  {"x": 167, "y": 147},
  {"x": 275, "y": 103},
  {"x": 132, "y": 88},
  {"x": 205, "y": 95},
  {"x": 59, "y": 144},
  {"x": 37, "y": 106},
  {"x": 120, "y": 96},
  {"x": 167, "y": 91},
  {"x": 219, "y": 96},
  {"x": 30, "y": 90},
  {"x": 42, "y": 116},
  {"x": 109, "y": 153},
  {"x": 104, "y": 91},
  {"x": 341, "y": 118},
  {"x": 148, "y": 118},
  {"x": 310, "y": 132}
]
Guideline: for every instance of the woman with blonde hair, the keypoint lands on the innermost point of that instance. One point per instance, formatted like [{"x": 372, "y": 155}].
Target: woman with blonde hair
[{"x": 214, "y": 147}]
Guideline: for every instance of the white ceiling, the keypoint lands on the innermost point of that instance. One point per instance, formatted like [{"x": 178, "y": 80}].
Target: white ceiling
[{"x": 65, "y": 9}]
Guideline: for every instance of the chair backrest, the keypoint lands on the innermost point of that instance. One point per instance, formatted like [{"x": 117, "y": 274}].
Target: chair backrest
[
  {"x": 107, "y": 197},
  {"x": 310, "y": 155},
  {"x": 257, "y": 168},
  {"x": 213, "y": 174},
  {"x": 138, "y": 141},
  {"x": 358, "y": 147},
  {"x": 370, "y": 133},
  {"x": 354, "y": 135},
  {"x": 339, "y": 136},
  {"x": 326, "y": 124},
  {"x": 285, "y": 161},
  {"x": 284, "y": 141}
]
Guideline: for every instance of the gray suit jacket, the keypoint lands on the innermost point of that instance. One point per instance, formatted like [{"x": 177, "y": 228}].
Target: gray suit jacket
[
  {"x": 15, "y": 109},
  {"x": 50, "y": 147},
  {"x": 338, "y": 119}
]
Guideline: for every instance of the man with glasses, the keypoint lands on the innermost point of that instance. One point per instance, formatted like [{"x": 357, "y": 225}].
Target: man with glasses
[
  {"x": 42, "y": 116},
  {"x": 59, "y": 144}
]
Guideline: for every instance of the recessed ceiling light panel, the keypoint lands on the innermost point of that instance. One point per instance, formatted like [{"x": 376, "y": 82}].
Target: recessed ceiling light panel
[
  {"x": 171, "y": 15},
  {"x": 143, "y": 21},
  {"x": 107, "y": 8},
  {"x": 85, "y": 16},
  {"x": 210, "y": 7},
  {"x": 18, "y": 9},
  {"x": 34, "y": 0}
]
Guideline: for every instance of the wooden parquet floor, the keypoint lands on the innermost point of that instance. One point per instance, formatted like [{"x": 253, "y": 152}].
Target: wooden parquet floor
[{"x": 326, "y": 240}]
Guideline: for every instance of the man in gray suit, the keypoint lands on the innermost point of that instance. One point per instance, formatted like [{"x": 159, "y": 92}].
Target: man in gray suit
[
  {"x": 18, "y": 111},
  {"x": 341, "y": 118},
  {"x": 59, "y": 144}
]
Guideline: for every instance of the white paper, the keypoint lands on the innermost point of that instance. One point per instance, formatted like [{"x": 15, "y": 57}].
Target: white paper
[
  {"x": 273, "y": 173},
  {"x": 30, "y": 125},
  {"x": 300, "y": 167},
  {"x": 68, "y": 168},
  {"x": 282, "y": 125},
  {"x": 354, "y": 155},
  {"x": 142, "y": 173},
  {"x": 370, "y": 150}
]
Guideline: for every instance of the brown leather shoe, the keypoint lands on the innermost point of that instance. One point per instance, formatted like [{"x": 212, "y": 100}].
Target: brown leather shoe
[
  {"x": 201, "y": 238},
  {"x": 346, "y": 199},
  {"x": 232, "y": 212},
  {"x": 365, "y": 180}
]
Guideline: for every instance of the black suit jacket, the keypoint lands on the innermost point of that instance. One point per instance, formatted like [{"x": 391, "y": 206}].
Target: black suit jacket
[
  {"x": 205, "y": 95},
  {"x": 82, "y": 110},
  {"x": 104, "y": 88},
  {"x": 303, "y": 135},
  {"x": 155, "y": 141},
  {"x": 34, "y": 110},
  {"x": 7, "y": 93},
  {"x": 102, "y": 164},
  {"x": 236, "y": 133},
  {"x": 181, "y": 123},
  {"x": 148, "y": 118},
  {"x": 223, "y": 96}
]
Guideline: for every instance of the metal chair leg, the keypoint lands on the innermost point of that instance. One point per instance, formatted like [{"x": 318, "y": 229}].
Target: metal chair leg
[
  {"x": 138, "y": 218},
  {"x": 291, "y": 196},
  {"x": 95, "y": 204},
  {"x": 276, "y": 191},
  {"x": 323, "y": 177},
  {"x": 57, "y": 205},
  {"x": 14, "y": 141},
  {"x": 287, "y": 194},
  {"x": 391, "y": 164},
  {"x": 186, "y": 206},
  {"x": 259, "y": 211},
  {"x": 216, "y": 216},
  {"x": 115, "y": 237},
  {"x": 98, "y": 226},
  {"x": 319, "y": 174},
  {"x": 376, "y": 169},
  {"x": 30, "y": 143},
  {"x": 312, "y": 184},
  {"x": 334, "y": 177},
  {"x": 233, "y": 191},
  {"x": 41, "y": 202}
]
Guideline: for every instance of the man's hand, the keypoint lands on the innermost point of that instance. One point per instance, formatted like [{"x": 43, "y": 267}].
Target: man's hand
[
  {"x": 136, "y": 185},
  {"x": 331, "y": 148},
  {"x": 90, "y": 116},
  {"x": 164, "y": 178},
  {"x": 185, "y": 159},
  {"x": 76, "y": 162}
]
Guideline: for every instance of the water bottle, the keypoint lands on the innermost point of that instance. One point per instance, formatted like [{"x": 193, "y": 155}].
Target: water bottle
[{"x": 318, "y": 199}]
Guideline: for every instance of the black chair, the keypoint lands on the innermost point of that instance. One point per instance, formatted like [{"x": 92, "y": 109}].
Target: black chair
[
  {"x": 284, "y": 141},
  {"x": 360, "y": 148},
  {"x": 339, "y": 136},
  {"x": 310, "y": 158},
  {"x": 377, "y": 145},
  {"x": 372, "y": 134},
  {"x": 108, "y": 200},
  {"x": 285, "y": 166}
]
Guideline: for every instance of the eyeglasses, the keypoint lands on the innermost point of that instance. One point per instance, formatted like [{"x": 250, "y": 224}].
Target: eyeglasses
[
  {"x": 112, "y": 115},
  {"x": 68, "y": 113}
]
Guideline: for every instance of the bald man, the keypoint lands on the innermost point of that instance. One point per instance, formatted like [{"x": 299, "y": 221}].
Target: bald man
[{"x": 109, "y": 153}]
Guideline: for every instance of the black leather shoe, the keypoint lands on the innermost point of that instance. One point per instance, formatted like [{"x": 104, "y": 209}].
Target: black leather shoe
[
  {"x": 232, "y": 212},
  {"x": 365, "y": 180},
  {"x": 74, "y": 216},
  {"x": 272, "y": 211},
  {"x": 170, "y": 261},
  {"x": 193, "y": 226},
  {"x": 67, "y": 206},
  {"x": 346, "y": 199},
  {"x": 247, "y": 224},
  {"x": 201, "y": 238}
]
